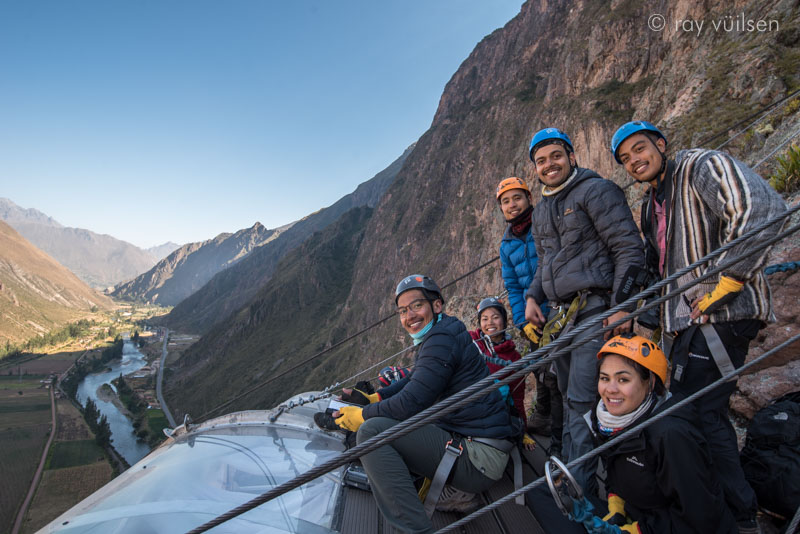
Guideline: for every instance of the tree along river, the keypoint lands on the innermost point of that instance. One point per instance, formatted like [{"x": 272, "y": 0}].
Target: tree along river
[{"x": 122, "y": 433}]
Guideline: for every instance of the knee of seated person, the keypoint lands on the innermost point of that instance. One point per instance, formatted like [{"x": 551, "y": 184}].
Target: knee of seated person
[{"x": 368, "y": 429}]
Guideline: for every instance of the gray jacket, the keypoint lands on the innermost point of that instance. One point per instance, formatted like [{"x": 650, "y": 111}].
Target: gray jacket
[{"x": 585, "y": 238}]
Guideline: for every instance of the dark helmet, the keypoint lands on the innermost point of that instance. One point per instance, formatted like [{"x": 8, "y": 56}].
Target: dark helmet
[
  {"x": 491, "y": 302},
  {"x": 627, "y": 130},
  {"x": 549, "y": 136},
  {"x": 422, "y": 282}
]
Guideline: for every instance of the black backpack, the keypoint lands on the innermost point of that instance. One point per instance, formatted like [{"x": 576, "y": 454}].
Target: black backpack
[{"x": 771, "y": 455}]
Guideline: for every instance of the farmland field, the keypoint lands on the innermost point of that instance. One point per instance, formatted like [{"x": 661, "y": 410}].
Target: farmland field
[
  {"x": 46, "y": 364},
  {"x": 24, "y": 427},
  {"x": 71, "y": 425},
  {"x": 60, "y": 489},
  {"x": 72, "y": 453}
]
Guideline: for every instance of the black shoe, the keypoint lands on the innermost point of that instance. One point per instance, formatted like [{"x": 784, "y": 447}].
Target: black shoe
[
  {"x": 749, "y": 526},
  {"x": 325, "y": 421}
]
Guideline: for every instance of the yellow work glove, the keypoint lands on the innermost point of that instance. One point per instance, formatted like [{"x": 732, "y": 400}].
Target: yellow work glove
[
  {"x": 616, "y": 510},
  {"x": 356, "y": 396},
  {"x": 727, "y": 289},
  {"x": 528, "y": 442},
  {"x": 631, "y": 528},
  {"x": 350, "y": 418},
  {"x": 532, "y": 333}
]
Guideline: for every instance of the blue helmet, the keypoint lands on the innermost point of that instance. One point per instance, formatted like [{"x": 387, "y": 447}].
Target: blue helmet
[
  {"x": 546, "y": 136},
  {"x": 627, "y": 130}
]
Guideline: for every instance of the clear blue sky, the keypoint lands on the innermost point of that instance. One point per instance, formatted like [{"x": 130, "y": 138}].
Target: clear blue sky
[{"x": 157, "y": 120}]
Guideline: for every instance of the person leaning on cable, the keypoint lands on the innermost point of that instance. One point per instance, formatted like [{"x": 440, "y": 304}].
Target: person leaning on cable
[
  {"x": 518, "y": 265},
  {"x": 659, "y": 477},
  {"x": 480, "y": 434},
  {"x": 587, "y": 242},
  {"x": 696, "y": 203}
]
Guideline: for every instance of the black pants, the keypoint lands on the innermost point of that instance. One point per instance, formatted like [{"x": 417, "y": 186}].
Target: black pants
[
  {"x": 690, "y": 351},
  {"x": 550, "y": 403}
]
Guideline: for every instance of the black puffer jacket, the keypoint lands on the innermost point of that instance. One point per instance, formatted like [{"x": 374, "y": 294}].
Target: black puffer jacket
[
  {"x": 585, "y": 239},
  {"x": 663, "y": 473},
  {"x": 446, "y": 363}
]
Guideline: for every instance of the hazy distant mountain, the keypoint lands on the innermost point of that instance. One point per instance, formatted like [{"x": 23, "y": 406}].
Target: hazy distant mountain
[
  {"x": 37, "y": 294},
  {"x": 160, "y": 252},
  {"x": 231, "y": 289},
  {"x": 98, "y": 259},
  {"x": 189, "y": 267},
  {"x": 13, "y": 214}
]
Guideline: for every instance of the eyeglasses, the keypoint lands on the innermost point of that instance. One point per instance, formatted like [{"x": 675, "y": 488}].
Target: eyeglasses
[{"x": 415, "y": 306}]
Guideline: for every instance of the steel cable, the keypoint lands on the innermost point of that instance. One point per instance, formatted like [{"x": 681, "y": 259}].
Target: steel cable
[{"x": 481, "y": 388}]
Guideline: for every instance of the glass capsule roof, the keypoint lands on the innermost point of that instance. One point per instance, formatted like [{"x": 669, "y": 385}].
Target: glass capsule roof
[{"x": 202, "y": 472}]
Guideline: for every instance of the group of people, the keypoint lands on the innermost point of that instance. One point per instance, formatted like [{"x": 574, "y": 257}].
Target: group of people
[{"x": 575, "y": 255}]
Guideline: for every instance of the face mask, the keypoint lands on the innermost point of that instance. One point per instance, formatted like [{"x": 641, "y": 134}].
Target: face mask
[{"x": 418, "y": 336}]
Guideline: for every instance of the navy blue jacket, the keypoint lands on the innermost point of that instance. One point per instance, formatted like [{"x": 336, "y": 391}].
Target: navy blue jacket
[
  {"x": 447, "y": 362},
  {"x": 663, "y": 473},
  {"x": 519, "y": 260}
]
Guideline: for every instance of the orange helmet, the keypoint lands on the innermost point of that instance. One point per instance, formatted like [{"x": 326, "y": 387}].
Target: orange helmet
[
  {"x": 639, "y": 349},
  {"x": 511, "y": 183}
]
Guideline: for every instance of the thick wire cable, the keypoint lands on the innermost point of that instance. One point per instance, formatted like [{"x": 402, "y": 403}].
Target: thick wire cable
[
  {"x": 480, "y": 389},
  {"x": 751, "y": 116},
  {"x": 624, "y": 435},
  {"x": 780, "y": 146},
  {"x": 792, "y": 528},
  {"x": 324, "y": 351}
]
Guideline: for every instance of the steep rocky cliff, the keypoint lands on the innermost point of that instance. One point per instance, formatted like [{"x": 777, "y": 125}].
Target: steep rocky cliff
[
  {"x": 584, "y": 66},
  {"x": 188, "y": 268}
]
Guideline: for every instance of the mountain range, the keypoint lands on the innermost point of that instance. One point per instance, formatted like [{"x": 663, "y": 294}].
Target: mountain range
[
  {"x": 188, "y": 268},
  {"x": 36, "y": 292},
  {"x": 584, "y": 66},
  {"x": 98, "y": 259},
  {"x": 232, "y": 288}
]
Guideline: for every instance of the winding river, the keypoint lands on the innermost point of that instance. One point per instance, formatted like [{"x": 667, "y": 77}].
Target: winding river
[{"x": 122, "y": 433}]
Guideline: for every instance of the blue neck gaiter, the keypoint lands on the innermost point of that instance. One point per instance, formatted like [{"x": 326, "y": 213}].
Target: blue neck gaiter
[{"x": 418, "y": 336}]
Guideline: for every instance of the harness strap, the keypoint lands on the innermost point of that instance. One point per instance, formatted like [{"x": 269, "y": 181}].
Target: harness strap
[
  {"x": 452, "y": 450},
  {"x": 509, "y": 447},
  {"x": 718, "y": 350},
  {"x": 563, "y": 320}
]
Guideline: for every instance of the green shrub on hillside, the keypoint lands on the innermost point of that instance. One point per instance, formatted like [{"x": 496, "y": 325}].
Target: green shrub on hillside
[{"x": 787, "y": 178}]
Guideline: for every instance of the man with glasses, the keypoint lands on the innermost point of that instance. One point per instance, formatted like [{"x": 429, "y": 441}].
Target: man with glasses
[{"x": 475, "y": 438}]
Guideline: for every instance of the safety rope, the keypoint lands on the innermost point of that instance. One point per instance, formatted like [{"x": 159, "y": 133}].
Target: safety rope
[
  {"x": 624, "y": 435},
  {"x": 324, "y": 351},
  {"x": 559, "y": 347},
  {"x": 782, "y": 267}
]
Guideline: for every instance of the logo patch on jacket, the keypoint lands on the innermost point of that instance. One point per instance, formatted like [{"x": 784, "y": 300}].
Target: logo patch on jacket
[
  {"x": 635, "y": 461},
  {"x": 568, "y": 211}
]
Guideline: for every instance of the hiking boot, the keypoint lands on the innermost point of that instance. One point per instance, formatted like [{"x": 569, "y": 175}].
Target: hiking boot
[
  {"x": 749, "y": 526},
  {"x": 453, "y": 500},
  {"x": 539, "y": 424}
]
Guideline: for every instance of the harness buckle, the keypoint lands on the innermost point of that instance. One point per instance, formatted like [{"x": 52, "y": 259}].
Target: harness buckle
[{"x": 450, "y": 448}]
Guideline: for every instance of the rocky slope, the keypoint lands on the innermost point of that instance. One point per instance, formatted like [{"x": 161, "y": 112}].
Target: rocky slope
[
  {"x": 230, "y": 289},
  {"x": 98, "y": 259},
  {"x": 585, "y": 66},
  {"x": 37, "y": 294},
  {"x": 188, "y": 268}
]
